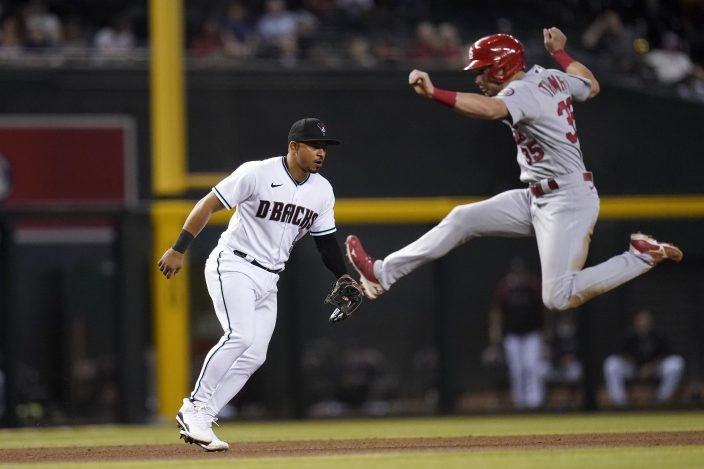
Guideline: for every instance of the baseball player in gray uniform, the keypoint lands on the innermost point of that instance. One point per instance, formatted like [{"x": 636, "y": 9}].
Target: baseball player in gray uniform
[
  {"x": 560, "y": 205},
  {"x": 279, "y": 200}
]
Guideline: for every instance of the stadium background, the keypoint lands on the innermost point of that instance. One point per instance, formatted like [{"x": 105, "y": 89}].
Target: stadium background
[{"x": 80, "y": 301}]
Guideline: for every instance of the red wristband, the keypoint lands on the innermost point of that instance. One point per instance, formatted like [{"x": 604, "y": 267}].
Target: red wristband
[
  {"x": 562, "y": 58},
  {"x": 448, "y": 98}
]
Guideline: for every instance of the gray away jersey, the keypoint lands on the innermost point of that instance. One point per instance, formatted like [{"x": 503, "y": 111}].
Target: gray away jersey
[
  {"x": 274, "y": 211},
  {"x": 543, "y": 123}
]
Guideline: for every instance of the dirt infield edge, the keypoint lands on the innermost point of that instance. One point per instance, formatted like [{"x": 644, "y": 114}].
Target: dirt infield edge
[{"x": 354, "y": 446}]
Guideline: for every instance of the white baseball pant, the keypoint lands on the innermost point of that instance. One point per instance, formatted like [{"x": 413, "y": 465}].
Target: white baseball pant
[
  {"x": 244, "y": 297},
  {"x": 617, "y": 370},
  {"x": 526, "y": 368}
]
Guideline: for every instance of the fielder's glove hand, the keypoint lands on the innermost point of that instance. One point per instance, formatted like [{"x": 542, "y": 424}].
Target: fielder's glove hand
[{"x": 346, "y": 296}]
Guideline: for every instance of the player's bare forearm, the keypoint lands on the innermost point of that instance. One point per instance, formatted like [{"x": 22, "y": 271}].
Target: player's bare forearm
[
  {"x": 480, "y": 107},
  {"x": 172, "y": 260},
  {"x": 579, "y": 69},
  {"x": 201, "y": 213},
  {"x": 555, "y": 41}
]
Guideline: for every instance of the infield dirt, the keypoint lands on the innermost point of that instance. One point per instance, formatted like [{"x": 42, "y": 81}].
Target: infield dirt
[{"x": 352, "y": 446}]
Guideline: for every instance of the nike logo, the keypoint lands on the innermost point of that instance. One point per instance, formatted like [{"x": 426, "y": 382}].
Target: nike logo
[{"x": 276, "y": 185}]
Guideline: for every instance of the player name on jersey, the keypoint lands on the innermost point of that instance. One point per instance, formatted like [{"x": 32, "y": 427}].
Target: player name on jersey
[
  {"x": 286, "y": 213},
  {"x": 553, "y": 85}
]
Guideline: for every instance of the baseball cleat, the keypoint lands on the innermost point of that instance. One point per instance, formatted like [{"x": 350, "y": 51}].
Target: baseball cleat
[
  {"x": 363, "y": 263},
  {"x": 216, "y": 445},
  {"x": 195, "y": 423},
  {"x": 657, "y": 251}
]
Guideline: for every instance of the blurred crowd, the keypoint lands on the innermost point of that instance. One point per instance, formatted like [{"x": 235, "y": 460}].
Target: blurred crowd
[{"x": 642, "y": 42}]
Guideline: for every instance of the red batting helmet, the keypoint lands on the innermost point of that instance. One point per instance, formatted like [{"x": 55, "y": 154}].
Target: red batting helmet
[{"x": 502, "y": 53}]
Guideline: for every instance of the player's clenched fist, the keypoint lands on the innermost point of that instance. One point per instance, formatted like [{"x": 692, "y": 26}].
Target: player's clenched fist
[
  {"x": 420, "y": 81},
  {"x": 554, "y": 39},
  {"x": 170, "y": 263}
]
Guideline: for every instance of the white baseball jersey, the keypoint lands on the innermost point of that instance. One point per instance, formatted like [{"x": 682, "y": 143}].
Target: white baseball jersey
[
  {"x": 543, "y": 123},
  {"x": 273, "y": 210}
]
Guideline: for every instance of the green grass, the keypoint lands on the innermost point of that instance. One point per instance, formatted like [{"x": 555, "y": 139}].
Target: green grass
[{"x": 656, "y": 457}]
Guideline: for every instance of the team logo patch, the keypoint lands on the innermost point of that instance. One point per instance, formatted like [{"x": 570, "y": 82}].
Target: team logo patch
[
  {"x": 506, "y": 92},
  {"x": 322, "y": 128}
]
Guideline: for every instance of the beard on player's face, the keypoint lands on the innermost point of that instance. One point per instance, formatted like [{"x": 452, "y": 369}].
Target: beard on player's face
[{"x": 310, "y": 156}]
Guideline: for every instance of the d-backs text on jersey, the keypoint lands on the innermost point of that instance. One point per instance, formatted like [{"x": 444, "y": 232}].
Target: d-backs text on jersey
[{"x": 286, "y": 213}]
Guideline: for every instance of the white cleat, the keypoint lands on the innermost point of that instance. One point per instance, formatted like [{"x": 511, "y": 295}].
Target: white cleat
[
  {"x": 195, "y": 423},
  {"x": 216, "y": 445}
]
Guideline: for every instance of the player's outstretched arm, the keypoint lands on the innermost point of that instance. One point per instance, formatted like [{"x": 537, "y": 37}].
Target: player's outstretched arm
[
  {"x": 172, "y": 260},
  {"x": 331, "y": 254},
  {"x": 480, "y": 107},
  {"x": 555, "y": 41},
  {"x": 469, "y": 104}
]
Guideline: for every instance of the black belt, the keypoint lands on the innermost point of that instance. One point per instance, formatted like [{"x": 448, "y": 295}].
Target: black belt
[{"x": 255, "y": 263}]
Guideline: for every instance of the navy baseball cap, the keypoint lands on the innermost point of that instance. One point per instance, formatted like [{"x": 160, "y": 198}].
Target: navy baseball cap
[{"x": 310, "y": 129}]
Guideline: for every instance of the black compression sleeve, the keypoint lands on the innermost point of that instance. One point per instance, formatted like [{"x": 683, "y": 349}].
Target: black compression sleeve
[{"x": 331, "y": 253}]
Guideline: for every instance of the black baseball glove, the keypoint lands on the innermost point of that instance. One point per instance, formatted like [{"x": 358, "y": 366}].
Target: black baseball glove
[{"x": 346, "y": 296}]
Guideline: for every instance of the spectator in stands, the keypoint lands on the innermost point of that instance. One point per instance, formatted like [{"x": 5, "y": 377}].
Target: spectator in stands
[
  {"x": 426, "y": 44},
  {"x": 355, "y": 12},
  {"x": 672, "y": 66},
  {"x": 209, "y": 41},
  {"x": 115, "y": 41},
  {"x": 645, "y": 355},
  {"x": 387, "y": 50},
  {"x": 238, "y": 30},
  {"x": 613, "y": 41},
  {"x": 453, "y": 53},
  {"x": 516, "y": 318},
  {"x": 359, "y": 52},
  {"x": 74, "y": 44},
  {"x": 42, "y": 25},
  {"x": 670, "y": 63},
  {"x": 310, "y": 47},
  {"x": 10, "y": 39},
  {"x": 277, "y": 31},
  {"x": 36, "y": 43}
]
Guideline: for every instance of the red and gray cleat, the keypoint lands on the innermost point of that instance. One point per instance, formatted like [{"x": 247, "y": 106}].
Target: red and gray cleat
[
  {"x": 657, "y": 251},
  {"x": 364, "y": 265}
]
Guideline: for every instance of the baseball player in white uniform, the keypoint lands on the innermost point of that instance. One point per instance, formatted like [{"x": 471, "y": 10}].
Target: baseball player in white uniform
[
  {"x": 279, "y": 200},
  {"x": 560, "y": 205}
]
